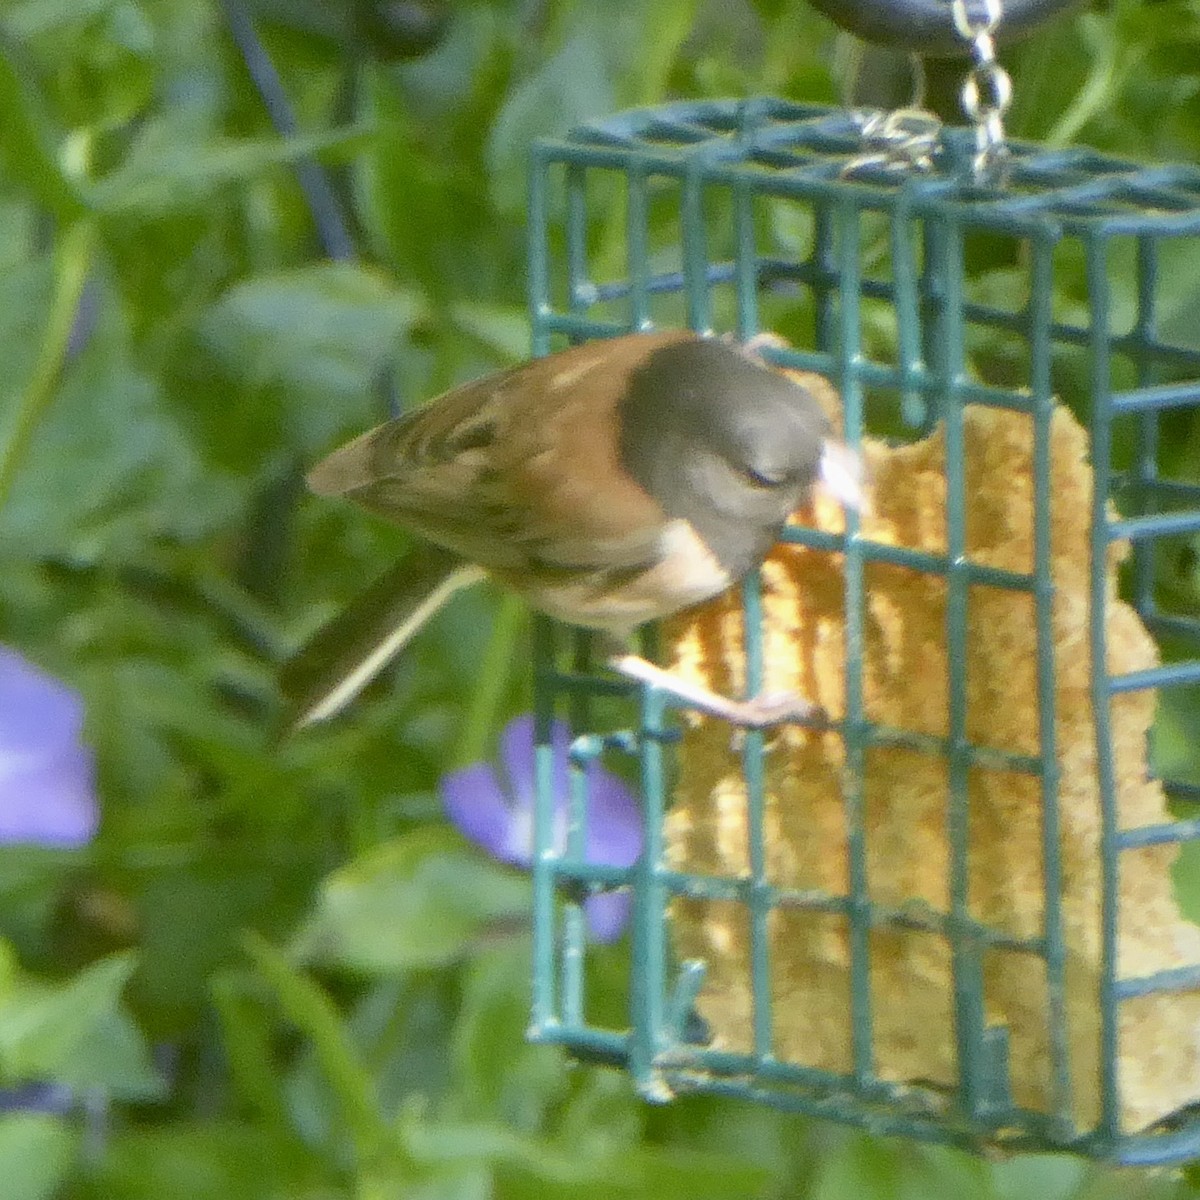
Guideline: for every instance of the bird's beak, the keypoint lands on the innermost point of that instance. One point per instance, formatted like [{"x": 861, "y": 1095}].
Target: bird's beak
[{"x": 843, "y": 476}]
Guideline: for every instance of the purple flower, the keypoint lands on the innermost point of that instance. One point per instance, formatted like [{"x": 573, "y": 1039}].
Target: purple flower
[
  {"x": 41, "y": 1096},
  {"x": 496, "y": 812},
  {"x": 47, "y": 793}
]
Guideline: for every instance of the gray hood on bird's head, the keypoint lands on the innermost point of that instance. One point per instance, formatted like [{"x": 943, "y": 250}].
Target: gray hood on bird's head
[{"x": 724, "y": 442}]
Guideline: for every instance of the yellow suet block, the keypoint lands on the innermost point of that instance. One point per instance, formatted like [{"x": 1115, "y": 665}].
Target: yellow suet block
[{"x": 905, "y": 674}]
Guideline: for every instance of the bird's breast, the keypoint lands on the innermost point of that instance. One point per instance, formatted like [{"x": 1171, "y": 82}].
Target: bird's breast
[{"x": 615, "y": 600}]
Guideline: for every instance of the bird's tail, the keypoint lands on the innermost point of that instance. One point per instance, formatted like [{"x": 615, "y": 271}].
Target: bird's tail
[{"x": 344, "y": 655}]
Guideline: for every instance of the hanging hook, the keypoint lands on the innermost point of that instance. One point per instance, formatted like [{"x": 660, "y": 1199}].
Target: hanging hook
[{"x": 928, "y": 26}]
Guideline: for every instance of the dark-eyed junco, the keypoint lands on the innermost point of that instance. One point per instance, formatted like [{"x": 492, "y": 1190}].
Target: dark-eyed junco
[{"x": 609, "y": 484}]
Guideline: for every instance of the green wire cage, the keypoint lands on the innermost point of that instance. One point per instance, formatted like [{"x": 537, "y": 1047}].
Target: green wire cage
[{"x": 743, "y": 216}]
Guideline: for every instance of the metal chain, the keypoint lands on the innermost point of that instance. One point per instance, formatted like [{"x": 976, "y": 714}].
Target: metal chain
[
  {"x": 902, "y": 140},
  {"x": 987, "y": 92},
  {"x": 906, "y": 139}
]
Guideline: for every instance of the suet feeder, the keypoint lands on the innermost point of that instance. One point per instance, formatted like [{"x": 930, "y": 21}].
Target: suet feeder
[{"x": 949, "y": 913}]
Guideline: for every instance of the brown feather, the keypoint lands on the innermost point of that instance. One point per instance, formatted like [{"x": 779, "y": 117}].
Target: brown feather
[
  {"x": 610, "y": 485},
  {"x": 486, "y": 470}
]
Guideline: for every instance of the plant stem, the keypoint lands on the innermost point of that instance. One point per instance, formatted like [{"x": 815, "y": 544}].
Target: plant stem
[{"x": 73, "y": 262}]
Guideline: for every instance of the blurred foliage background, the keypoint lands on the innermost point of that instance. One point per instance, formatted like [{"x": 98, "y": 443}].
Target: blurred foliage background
[{"x": 276, "y": 972}]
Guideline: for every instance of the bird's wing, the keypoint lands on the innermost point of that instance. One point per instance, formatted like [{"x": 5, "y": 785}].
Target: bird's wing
[{"x": 517, "y": 471}]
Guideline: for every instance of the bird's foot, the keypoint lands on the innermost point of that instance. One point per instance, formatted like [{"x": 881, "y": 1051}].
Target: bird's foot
[
  {"x": 761, "y": 712},
  {"x": 774, "y": 708}
]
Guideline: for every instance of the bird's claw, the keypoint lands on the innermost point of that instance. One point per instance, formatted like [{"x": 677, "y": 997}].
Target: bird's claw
[{"x": 776, "y": 708}]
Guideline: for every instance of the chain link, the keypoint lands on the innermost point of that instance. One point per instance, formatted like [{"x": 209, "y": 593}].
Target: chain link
[
  {"x": 902, "y": 140},
  {"x": 906, "y": 139},
  {"x": 987, "y": 91}
]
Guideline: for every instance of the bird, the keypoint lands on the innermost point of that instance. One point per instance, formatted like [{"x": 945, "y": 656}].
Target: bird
[{"x": 609, "y": 484}]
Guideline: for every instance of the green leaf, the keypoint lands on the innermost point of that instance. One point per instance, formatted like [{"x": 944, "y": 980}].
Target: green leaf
[
  {"x": 43, "y": 1027},
  {"x": 1052, "y": 1176},
  {"x": 73, "y": 262},
  {"x": 1099, "y": 1182},
  {"x": 565, "y": 90},
  {"x": 590, "y": 75},
  {"x": 664, "y": 1172},
  {"x": 208, "y": 1160},
  {"x": 107, "y": 425},
  {"x": 1185, "y": 878},
  {"x": 31, "y": 883},
  {"x": 1175, "y": 737},
  {"x": 247, "y": 1036},
  {"x": 448, "y": 1142},
  {"x": 605, "y": 1116},
  {"x": 321, "y": 333},
  {"x": 167, "y": 172},
  {"x": 191, "y": 917},
  {"x": 29, "y": 149},
  {"x": 407, "y": 198},
  {"x": 860, "y": 1166},
  {"x": 506, "y": 1077},
  {"x": 418, "y": 901},
  {"x": 37, "y": 1153},
  {"x": 27, "y": 293},
  {"x": 503, "y": 331},
  {"x": 333, "y": 19},
  {"x": 339, "y": 312},
  {"x": 310, "y": 1009},
  {"x": 40, "y": 18},
  {"x": 467, "y": 1182},
  {"x": 77, "y": 1033},
  {"x": 927, "y": 1170},
  {"x": 115, "y": 1059}
]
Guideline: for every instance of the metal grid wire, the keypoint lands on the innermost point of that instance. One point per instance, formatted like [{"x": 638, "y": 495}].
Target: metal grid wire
[{"x": 731, "y": 158}]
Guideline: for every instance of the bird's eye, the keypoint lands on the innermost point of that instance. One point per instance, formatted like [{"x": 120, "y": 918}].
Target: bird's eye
[{"x": 762, "y": 477}]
